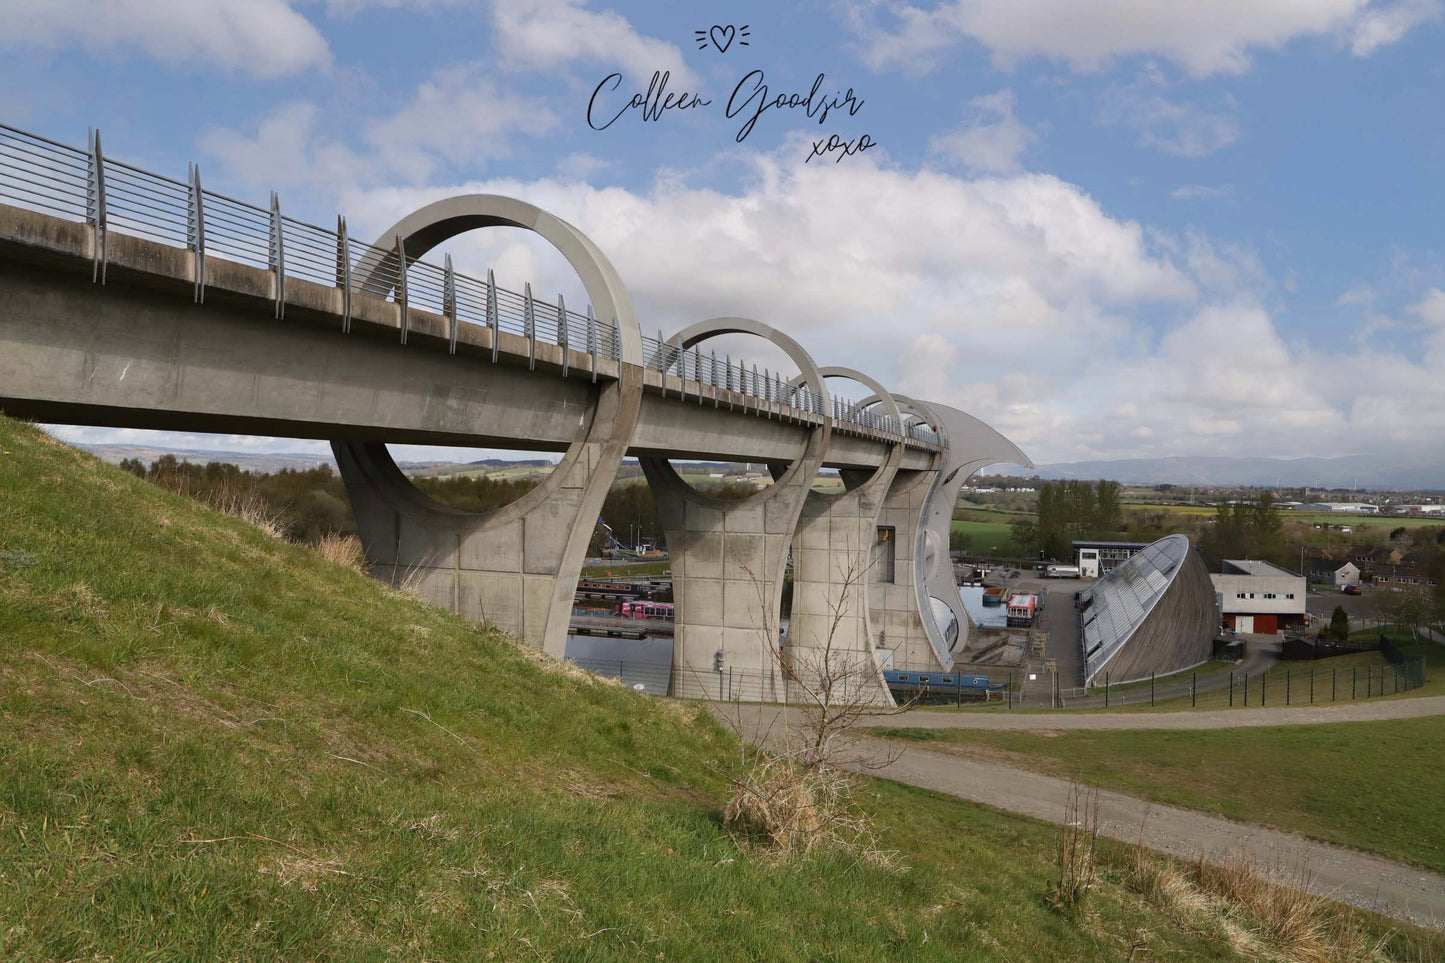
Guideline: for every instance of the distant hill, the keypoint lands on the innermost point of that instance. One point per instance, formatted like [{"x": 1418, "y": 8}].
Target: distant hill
[
  {"x": 259, "y": 461},
  {"x": 1349, "y": 471}
]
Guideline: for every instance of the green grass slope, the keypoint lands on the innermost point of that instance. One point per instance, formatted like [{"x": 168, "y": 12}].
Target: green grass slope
[{"x": 214, "y": 745}]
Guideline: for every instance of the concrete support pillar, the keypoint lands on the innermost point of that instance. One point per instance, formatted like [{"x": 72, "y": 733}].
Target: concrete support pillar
[
  {"x": 896, "y": 605},
  {"x": 728, "y": 561},
  {"x": 515, "y": 567},
  {"x": 729, "y": 555},
  {"x": 831, "y": 639}
]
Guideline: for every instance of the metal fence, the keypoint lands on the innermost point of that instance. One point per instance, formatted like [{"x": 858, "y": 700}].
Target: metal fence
[
  {"x": 732, "y": 684},
  {"x": 40, "y": 174}
]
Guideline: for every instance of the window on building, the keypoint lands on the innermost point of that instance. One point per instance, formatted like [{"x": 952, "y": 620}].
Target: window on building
[
  {"x": 1240, "y": 595},
  {"x": 885, "y": 553},
  {"x": 1269, "y": 595},
  {"x": 1289, "y": 595}
]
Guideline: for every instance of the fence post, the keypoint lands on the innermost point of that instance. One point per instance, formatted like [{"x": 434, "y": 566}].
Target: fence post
[
  {"x": 1193, "y": 690},
  {"x": 1010, "y": 690},
  {"x": 1333, "y": 674},
  {"x": 1231, "y": 688},
  {"x": 1353, "y": 670},
  {"x": 1312, "y": 685},
  {"x": 1151, "y": 689},
  {"x": 1264, "y": 688},
  {"x": 1246, "y": 689},
  {"x": 1286, "y": 686},
  {"x": 1106, "y": 690}
]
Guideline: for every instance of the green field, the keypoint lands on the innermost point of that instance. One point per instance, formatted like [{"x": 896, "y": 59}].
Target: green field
[
  {"x": 994, "y": 538},
  {"x": 216, "y": 745},
  {"x": 1367, "y": 785}
]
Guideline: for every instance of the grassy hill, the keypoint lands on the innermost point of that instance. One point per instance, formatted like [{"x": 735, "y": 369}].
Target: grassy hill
[{"x": 216, "y": 745}]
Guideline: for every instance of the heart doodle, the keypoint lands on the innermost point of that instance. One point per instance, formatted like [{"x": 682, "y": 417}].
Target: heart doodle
[
  {"x": 727, "y": 32},
  {"x": 722, "y": 37}
]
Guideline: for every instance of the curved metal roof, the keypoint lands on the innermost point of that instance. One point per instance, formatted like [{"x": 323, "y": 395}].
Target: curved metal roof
[{"x": 1120, "y": 602}]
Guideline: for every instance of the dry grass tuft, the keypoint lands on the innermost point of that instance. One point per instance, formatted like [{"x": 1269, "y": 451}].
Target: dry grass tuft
[
  {"x": 1259, "y": 918},
  {"x": 343, "y": 550},
  {"x": 796, "y": 810}
]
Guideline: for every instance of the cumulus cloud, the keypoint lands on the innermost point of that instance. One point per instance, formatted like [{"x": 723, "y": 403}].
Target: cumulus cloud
[
  {"x": 458, "y": 117},
  {"x": 548, "y": 34},
  {"x": 1175, "y": 127},
  {"x": 263, "y": 38},
  {"x": 1217, "y": 37},
  {"x": 993, "y": 143},
  {"x": 1018, "y": 298},
  {"x": 1381, "y": 26}
]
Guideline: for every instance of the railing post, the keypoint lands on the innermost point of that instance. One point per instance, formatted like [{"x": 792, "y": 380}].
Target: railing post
[
  {"x": 493, "y": 322},
  {"x": 196, "y": 233},
  {"x": 278, "y": 255},
  {"x": 728, "y": 377},
  {"x": 592, "y": 339},
  {"x": 662, "y": 362},
  {"x": 402, "y": 302},
  {"x": 343, "y": 272},
  {"x": 697, "y": 370},
  {"x": 95, "y": 206},
  {"x": 715, "y": 401},
  {"x": 562, "y": 332},
  {"x": 681, "y": 373},
  {"x": 529, "y": 325},
  {"x": 616, "y": 340},
  {"x": 449, "y": 302},
  {"x": 1231, "y": 688}
]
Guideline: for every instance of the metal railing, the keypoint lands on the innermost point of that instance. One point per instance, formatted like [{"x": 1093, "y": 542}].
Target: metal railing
[{"x": 84, "y": 185}]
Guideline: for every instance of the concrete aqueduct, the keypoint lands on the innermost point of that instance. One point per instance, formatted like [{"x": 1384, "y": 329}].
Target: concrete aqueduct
[{"x": 129, "y": 299}]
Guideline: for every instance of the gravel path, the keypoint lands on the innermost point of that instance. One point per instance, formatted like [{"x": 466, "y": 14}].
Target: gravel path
[
  {"x": 1371, "y": 882},
  {"x": 1209, "y": 719}
]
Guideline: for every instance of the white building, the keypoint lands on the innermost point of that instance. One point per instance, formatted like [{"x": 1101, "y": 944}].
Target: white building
[{"x": 1260, "y": 597}]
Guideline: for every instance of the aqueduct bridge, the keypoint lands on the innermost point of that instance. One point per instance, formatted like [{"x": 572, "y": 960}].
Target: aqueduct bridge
[{"x": 130, "y": 299}]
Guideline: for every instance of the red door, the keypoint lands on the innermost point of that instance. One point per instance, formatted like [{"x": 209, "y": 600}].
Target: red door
[{"x": 1266, "y": 624}]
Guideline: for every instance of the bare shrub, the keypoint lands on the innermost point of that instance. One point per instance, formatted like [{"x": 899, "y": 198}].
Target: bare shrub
[
  {"x": 1078, "y": 840},
  {"x": 798, "y": 795},
  {"x": 343, "y": 550}
]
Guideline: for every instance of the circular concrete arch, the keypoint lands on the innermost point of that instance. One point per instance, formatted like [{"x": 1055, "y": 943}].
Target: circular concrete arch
[
  {"x": 880, "y": 395},
  {"x": 700, "y": 331},
  {"x": 426, "y": 227}
]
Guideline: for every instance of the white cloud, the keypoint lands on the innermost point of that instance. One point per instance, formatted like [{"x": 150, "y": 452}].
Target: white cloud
[
  {"x": 459, "y": 117},
  {"x": 263, "y": 38},
  {"x": 1017, "y": 298},
  {"x": 1175, "y": 127},
  {"x": 1430, "y": 308},
  {"x": 1204, "y": 38},
  {"x": 541, "y": 35},
  {"x": 993, "y": 143},
  {"x": 1201, "y": 192},
  {"x": 1381, "y": 26},
  {"x": 285, "y": 151}
]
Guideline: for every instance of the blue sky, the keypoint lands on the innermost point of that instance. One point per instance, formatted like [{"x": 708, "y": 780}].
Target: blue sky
[{"x": 1112, "y": 228}]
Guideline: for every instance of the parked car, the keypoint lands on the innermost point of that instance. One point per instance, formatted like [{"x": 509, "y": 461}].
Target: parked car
[{"x": 1352, "y": 590}]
